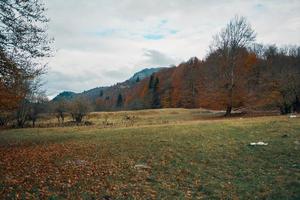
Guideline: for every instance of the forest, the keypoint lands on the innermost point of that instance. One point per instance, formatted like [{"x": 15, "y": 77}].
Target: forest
[{"x": 262, "y": 78}]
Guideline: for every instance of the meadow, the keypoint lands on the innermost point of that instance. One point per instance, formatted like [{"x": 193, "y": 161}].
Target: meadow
[{"x": 154, "y": 154}]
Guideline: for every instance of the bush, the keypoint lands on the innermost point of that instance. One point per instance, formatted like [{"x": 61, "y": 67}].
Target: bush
[{"x": 79, "y": 108}]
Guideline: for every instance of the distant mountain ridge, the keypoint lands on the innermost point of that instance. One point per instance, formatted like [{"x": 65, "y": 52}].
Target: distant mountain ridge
[
  {"x": 100, "y": 91},
  {"x": 67, "y": 95},
  {"x": 177, "y": 86}
]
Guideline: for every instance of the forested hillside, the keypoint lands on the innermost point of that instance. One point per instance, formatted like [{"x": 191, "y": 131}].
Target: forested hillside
[
  {"x": 267, "y": 77},
  {"x": 237, "y": 73}
]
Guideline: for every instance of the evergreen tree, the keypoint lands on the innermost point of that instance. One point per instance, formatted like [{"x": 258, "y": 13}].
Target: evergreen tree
[
  {"x": 155, "y": 94},
  {"x": 155, "y": 85},
  {"x": 119, "y": 101},
  {"x": 151, "y": 81}
]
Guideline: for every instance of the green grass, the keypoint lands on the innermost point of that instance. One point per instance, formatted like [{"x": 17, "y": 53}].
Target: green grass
[{"x": 188, "y": 159}]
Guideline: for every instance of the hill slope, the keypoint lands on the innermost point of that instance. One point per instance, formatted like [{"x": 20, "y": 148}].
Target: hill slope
[
  {"x": 175, "y": 87},
  {"x": 110, "y": 91}
]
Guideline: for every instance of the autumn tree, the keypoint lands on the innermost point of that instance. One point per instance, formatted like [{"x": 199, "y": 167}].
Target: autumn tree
[
  {"x": 23, "y": 40},
  {"x": 188, "y": 82},
  {"x": 176, "y": 93},
  {"x": 228, "y": 48},
  {"x": 99, "y": 104},
  {"x": 282, "y": 77},
  {"x": 10, "y": 78},
  {"x": 165, "y": 90}
]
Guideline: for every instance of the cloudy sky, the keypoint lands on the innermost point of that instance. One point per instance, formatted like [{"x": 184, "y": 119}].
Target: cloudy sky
[{"x": 102, "y": 42}]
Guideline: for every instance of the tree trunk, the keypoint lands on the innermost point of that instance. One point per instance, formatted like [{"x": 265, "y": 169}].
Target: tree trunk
[
  {"x": 285, "y": 108},
  {"x": 58, "y": 119},
  {"x": 230, "y": 102},
  {"x": 230, "y": 90},
  {"x": 228, "y": 111},
  {"x": 20, "y": 123},
  {"x": 296, "y": 105},
  {"x": 78, "y": 118}
]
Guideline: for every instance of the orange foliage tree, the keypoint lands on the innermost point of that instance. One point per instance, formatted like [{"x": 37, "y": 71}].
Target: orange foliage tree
[
  {"x": 10, "y": 84},
  {"x": 230, "y": 64}
]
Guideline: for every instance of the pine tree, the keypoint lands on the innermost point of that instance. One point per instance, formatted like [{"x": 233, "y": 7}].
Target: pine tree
[
  {"x": 155, "y": 94},
  {"x": 119, "y": 101},
  {"x": 151, "y": 81}
]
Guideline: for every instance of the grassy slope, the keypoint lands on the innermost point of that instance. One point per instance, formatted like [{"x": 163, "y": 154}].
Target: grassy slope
[{"x": 189, "y": 160}]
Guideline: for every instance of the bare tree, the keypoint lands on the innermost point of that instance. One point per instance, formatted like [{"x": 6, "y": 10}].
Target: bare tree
[
  {"x": 31, "y": 91},
  {"x": 23, "y": 30},
  {"x": 60, "y": 109},
  {"x": 229, "y": 44},
  {"x": 79, "y": 108},
  {"x": 37, "y": 105}
]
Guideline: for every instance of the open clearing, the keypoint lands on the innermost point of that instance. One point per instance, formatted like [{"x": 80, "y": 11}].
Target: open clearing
[{"x": 163, "y": 154}]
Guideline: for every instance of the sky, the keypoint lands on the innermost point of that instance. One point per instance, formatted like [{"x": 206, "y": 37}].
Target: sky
[{"x": 102, "y": 42}]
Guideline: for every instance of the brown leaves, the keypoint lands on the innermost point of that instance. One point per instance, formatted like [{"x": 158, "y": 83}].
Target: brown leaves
[{"x": 47, "y": 169}]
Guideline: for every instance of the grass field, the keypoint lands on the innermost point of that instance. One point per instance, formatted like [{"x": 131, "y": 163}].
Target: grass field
[{"x": 164, "y": 154}]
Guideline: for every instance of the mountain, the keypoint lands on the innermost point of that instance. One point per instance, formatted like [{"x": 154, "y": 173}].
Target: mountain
[
  {"x": 66, "y": 95},
  {"x": 111, "y": 91},
  {"x": 177, "y": 86}
]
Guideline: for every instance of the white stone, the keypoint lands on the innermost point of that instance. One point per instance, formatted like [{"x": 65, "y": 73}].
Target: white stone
[
  {"x": 141, "y": 166},
  {"x": 258, "y": 143}
]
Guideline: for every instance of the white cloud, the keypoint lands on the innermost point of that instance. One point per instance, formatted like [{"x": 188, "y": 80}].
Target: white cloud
[
  {"x": 101, "y": 42},
  {"x": 158, "y": 59}
]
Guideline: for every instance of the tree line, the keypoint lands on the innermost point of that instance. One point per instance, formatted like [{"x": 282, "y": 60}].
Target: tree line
[{"x": 236, "y": 74}]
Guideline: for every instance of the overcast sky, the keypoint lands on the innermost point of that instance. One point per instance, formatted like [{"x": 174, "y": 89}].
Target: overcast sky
[{"x": 102, "y": 42}]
